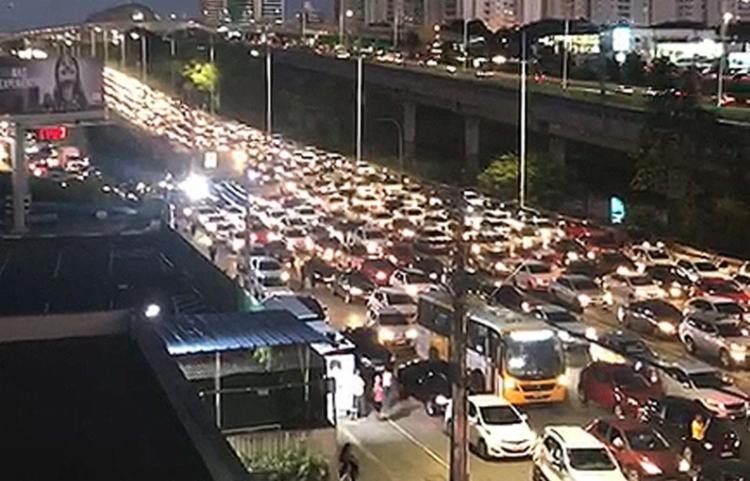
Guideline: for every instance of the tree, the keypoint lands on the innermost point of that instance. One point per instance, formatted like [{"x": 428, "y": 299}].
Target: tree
[
  {"x": 633, "y": 70},
  {"x": 204, "y": 76},
  {"x": 291, "y": 464},
  {"x": 545, "y": 179}
]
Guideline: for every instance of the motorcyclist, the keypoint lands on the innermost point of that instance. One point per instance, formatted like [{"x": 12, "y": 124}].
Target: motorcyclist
[{"x": 348, "y": 467}]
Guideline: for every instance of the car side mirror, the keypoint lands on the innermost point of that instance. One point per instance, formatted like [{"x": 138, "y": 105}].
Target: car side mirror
[
  {"x": 618, "y": 443},
  {"x": 524, "y": 417}
]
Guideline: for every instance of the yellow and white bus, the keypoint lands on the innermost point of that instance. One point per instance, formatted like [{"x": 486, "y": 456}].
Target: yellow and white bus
[{"x": 510, "y": 354}]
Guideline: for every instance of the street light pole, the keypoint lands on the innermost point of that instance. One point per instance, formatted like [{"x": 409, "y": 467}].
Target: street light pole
[
  {"x": 105, "y": 45},
  {"x": 565, "y": 55},
  {"x": 395, "y": 23},
  {"x": 459, "y": 428},
  {"x": 341, "y": 22},
  {"x": 144, "y": 58},
  {"x": 722, "y": 60},
  {"x": 522, "y": 147},
  {"x": 360, "y": 72},
  {"x": 268, "y": 90},
  {"x": 211, "y": 60},
  {"x": 123, "y": 49}
]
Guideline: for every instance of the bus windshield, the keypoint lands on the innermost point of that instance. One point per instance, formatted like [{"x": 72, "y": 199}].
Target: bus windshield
[{"x": 533, "y": 359}]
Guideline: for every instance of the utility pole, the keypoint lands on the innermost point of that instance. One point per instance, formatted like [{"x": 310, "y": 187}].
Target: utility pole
[
  {"x": 459, "y": 428},
  {"x": 212, "y": 61},
  {"x": 522, "y": 125},
  {"x": 105, "y": 45},
  {"x": 565, "y": 55},
  {"x": 268, "y": 90},
  {"x": 360, "y": 68},
  {"x": 396, "y": 14},
  {"x": 144, "y": 58},
  {"x": 725, "y": 19},
  {"x": 341, "y": 21}
]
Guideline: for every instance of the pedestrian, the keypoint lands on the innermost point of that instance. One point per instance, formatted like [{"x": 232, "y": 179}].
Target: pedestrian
[
  {"x": 388, "y": 387},
  {"x": 193, "y": 229},
  {"x": 358, "y": 392},
  {"x": 212, "y": 249},
  {"x": 378, "y": 395},
  {"x": 348, "y": 466},
  {"x": 698, "y": 428}
]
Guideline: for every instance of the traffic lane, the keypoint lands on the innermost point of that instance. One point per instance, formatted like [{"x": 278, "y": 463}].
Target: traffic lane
[{"x": 340, "y": 314}]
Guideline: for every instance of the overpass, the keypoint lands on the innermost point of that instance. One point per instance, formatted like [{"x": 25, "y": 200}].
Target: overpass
[{"x": 562, "y": 119}]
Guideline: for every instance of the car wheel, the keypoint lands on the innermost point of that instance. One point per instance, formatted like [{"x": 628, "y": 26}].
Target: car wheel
[
  {"x": 632, "y": 475},
  {"x": 582, "y": 396},
  {"x": 482, "y": 450},
  {"x": 724, "y": 359},
  {"x": 690, "y": 345},
  {"x": 433, "y": 354}
]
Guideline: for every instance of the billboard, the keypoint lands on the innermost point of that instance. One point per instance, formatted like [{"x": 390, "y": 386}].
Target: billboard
[{"x": 63, "y": 84}]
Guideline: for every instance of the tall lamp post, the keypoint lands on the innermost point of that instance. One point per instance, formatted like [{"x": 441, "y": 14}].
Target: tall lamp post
[
  {"x": 522, "y": 125},
  {"x": 360, "y": 72},
  {"x": 723, "y": 59},
  {"x": 566, "y": 46},
  {"x": 269, "y": 91}
]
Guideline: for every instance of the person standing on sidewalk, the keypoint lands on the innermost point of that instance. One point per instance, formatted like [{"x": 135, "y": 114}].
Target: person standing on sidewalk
[
  {"x": 358, "y": 393},
  {"x": 378, "y": 395}
]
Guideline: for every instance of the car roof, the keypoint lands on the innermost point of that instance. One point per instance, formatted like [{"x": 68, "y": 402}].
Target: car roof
[
  {"x": 485, "y": 400},
  {"x": 714, "y": 299},
  {"x": 626, "y": 424},
  {"x": 575, "y": 277},
  {"x": 550, "y": 309},
  {"x": 691, "y": 365},
  {"x": 714, "y": 317},
  {"x": 391, "y": 290},
  {"x": 574, "y": 437}
]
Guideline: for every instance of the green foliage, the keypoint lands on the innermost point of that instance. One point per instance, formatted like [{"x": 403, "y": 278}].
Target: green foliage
[
  {"x": 293, "y": 464},
  {"x": 634, "y": 69},
  {"x": 204, "y": 76},
  {"x": 546, "y": 181}
]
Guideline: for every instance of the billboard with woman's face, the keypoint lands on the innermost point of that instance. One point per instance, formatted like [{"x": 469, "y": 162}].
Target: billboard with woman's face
[{"x": 63, "y": 84}]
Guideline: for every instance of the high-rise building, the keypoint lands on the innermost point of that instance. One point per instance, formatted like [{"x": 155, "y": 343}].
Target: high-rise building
[
  {"x": 213, "y": 12},
  {"x": 635, "y": 12},
  {"x": 715, "y": 10},
  {"x": 241, "y": 11},
  {"x": 663, "y": 11}
]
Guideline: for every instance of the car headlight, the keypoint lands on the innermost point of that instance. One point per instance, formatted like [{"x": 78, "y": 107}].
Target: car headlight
[
  {"x": 356, "y": 291},
  {"x": 584, "y": 300},
  {"x": 476, "y": 249},
  {"x": 675, "y": 291},
  {"x": 564, "y": 336},
  {"x": 666, "y": 327},
  {"x": 372, "y": 248},
  {"x": 708, "y": 446},
  {"x": 407, "y": 233},
  {"x": 562, "y": 379},
  {"x": 412, "y": 290},
  {"x": 608, "y": 298},
  {"x": 380, "y": 276},
  {"x": 441, "y": 400},
  {"x": 385, "y": 335},
  {"x": 411, "y": 333},
  {"x": 683, "y": 466},
  {"x": 650, "y": 468},
  {"x": 284, "y": 276},
  {"x": 500, "y": 266}
]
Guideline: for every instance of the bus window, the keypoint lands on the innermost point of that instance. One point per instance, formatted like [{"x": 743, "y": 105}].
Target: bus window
[
  {"x": 477, "y": 337},
  {"x": 496, "y": 350}
]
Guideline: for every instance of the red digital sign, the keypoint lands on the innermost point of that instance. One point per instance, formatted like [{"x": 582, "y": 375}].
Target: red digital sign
[{"x": 52, "y": 134}]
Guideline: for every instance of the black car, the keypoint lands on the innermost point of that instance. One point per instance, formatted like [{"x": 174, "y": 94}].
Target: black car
[
  {"x": 627, "y": 345},
  {"x": 657, "y": 317},
  {"x": 372, "y": 355},
  {"x": 352, "y": 285},
  {"x": 428, "y": 382},
  {"x": 673, "y": 416},
  {"x": 510, "y": 297},
  {"x": 583, "y": 268},
  {"x": 317, "y": 271},
  {"x": 279, "y": 251},
  {"x": 430, "y": 266},
  {"x": 725, "y": 470},
  {"x": 671, "y": 279}
]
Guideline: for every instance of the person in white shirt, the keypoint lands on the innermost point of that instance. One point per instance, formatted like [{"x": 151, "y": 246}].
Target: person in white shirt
[{"x": 358, "y": 394}]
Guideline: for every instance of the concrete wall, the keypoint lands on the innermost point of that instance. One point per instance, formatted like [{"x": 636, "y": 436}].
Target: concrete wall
[{"x": 61, "y": 326}]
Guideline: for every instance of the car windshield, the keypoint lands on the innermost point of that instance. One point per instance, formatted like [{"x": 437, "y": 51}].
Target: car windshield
[
  {"x": 662, "y": 309},
  {"x": 711, "y": 379},
  {"x": 374, "y": 235},
  {"x": 731, "y": 329},
  {"x": 416, "y": 278},
  {"x": 392, "y": 319},
  {"x": 538, "y": 268},
  {"x": 705, "y": 266},
  {"x": 395, "y": 299},
  {"x": 630, "y": 380},
  {"x": 499, "y": 415},
  {"x": 641, "y": 281},
  {"x": 534, "y": 358},
  {"x": 269, "y": 266},
  {"x": 584, "y": 285},
  {"x": 729, "y": 308},
  {"x": 561, "y": 317},
  {"x": 723, "y": 288},
  {"x": 593, "y": 459},
  {"x": 658, "y": 254},
  {"x": 646, "y": 440}
]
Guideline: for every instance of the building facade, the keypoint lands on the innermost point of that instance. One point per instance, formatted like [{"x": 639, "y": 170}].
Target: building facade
[{"x": 213, "y": 12}]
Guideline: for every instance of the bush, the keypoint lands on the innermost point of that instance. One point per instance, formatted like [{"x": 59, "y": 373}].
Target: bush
[{"x": 293, "y": 464}]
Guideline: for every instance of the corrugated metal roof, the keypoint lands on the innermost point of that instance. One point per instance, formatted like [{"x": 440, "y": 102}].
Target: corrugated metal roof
[{"x": 208, "y": 333}]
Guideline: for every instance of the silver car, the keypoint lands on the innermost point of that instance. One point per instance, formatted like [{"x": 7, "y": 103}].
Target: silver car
[
  {"x": 580, "y": 292},
  {"x": 716, "y": 335}
]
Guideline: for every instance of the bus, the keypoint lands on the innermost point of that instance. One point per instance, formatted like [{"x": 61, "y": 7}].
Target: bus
[{"x": 510, "y": 354}]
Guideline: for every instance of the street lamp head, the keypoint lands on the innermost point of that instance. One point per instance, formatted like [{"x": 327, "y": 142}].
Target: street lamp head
[
  {"x": 349, "y": 13},
  {"x": 728, "y": 16},
  {"x": 134, "y": 35}
]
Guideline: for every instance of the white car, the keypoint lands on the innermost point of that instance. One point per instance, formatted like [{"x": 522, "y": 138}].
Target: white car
[
  {"x": 393, "y": 299},
  {"x": 473, "y": 198},
  {"x": 535, "y": 275},
  {"x": 266, "y": 274},
  {"x": 696, "y": 270},
  {"x": 374, "y": 240},
  {"x": 392, "y": 326},
  {"x": 701, "y": 382},
  {"x": 628, "y": 287},
  {"x": 570, "y": 453},
  {"x": 717, "y": 305},
  {"x": 412, "y": 281},
  {"x": 438, "y": 219},
  {"x": 651, "y": 255},
  {"x": 496, "y": 428},
  {"x": 415, "y": 215},
  {"x": 368, "y": 201}
]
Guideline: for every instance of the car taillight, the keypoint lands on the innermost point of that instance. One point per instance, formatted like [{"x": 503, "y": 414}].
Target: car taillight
[{"x": 380, "y": 275}]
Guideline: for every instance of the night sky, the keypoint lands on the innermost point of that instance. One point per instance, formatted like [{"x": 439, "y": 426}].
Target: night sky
[{"x": 15, "y": 14}]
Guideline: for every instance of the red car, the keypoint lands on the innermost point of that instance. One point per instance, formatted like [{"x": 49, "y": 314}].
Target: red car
[
  {"x": 641, "y": 450},
  {"x": 722, "y": 288},
  {"x": 618, "y": 387},
  {"x": 377, "y": 271},
  {"x": 401, "y": 254},
  {"x": 261, "y": 235}
]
